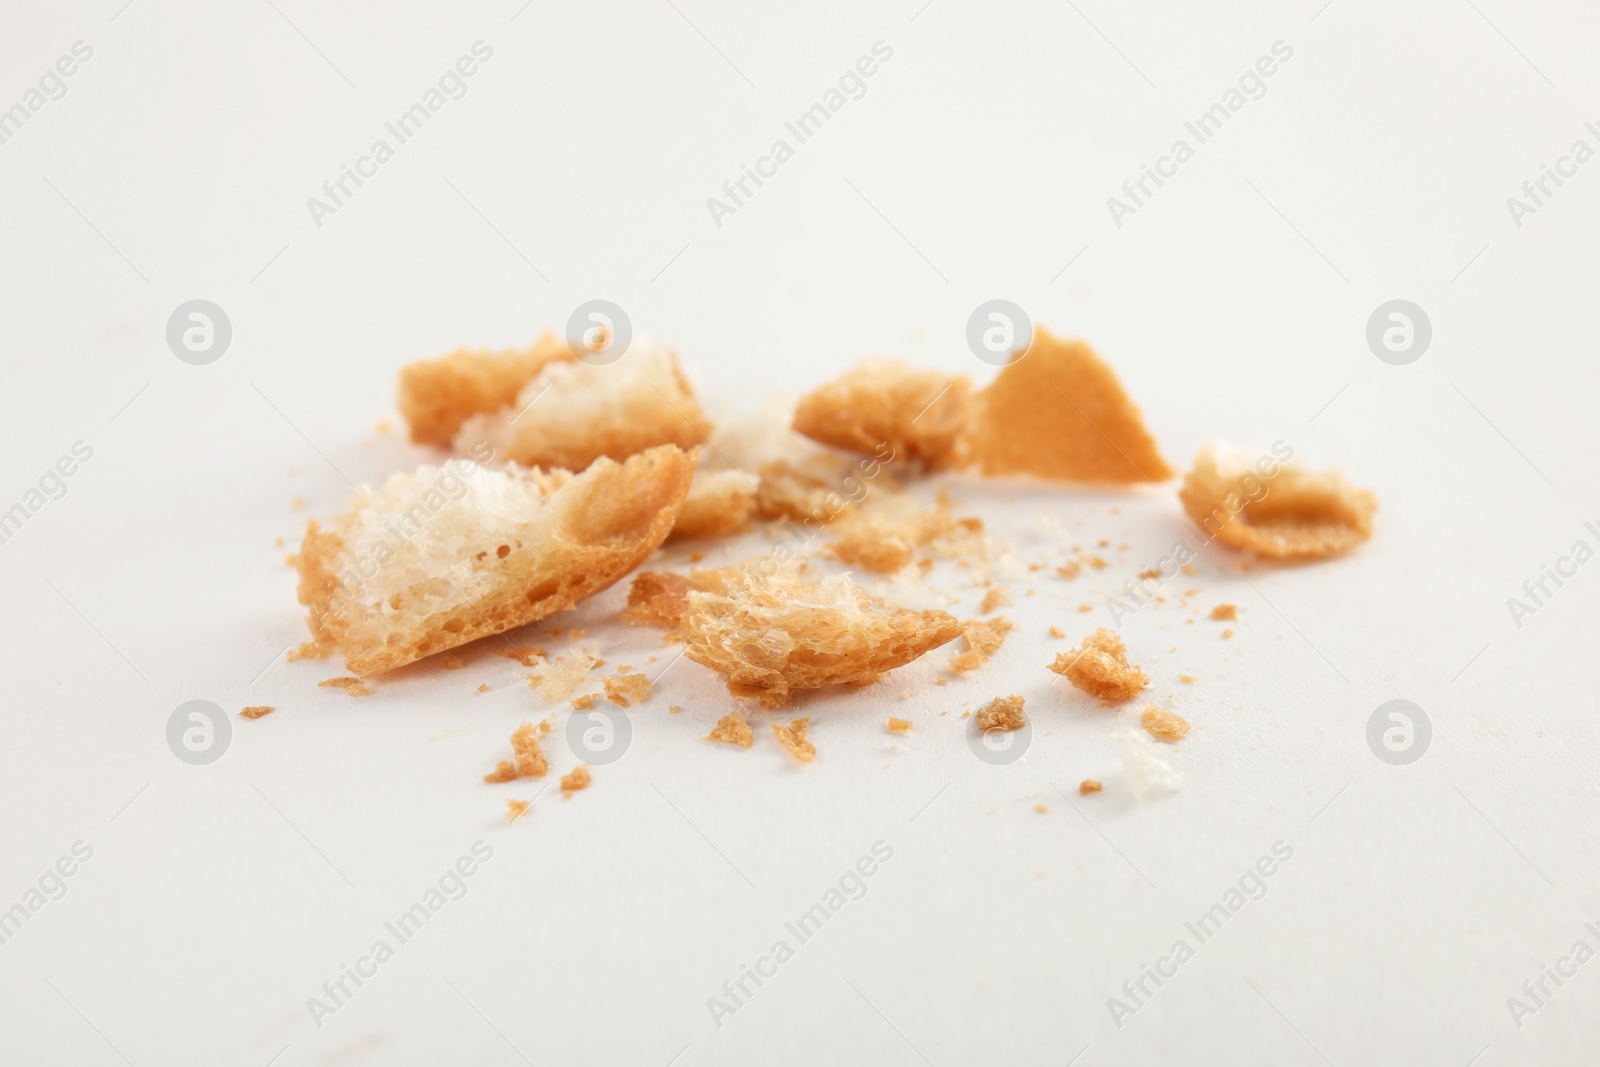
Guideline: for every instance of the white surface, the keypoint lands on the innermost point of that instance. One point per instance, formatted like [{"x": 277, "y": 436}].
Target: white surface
[{"x": 223, "y": 897}]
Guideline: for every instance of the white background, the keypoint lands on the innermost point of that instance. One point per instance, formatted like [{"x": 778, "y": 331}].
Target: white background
[{"x": 977, "y": 165}]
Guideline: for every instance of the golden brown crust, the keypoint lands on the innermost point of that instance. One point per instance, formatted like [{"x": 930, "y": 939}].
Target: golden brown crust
[
  {"x": 1059, "y": 412},
  {"x": 792, "y": 736},
  {"x": 515, "y": 809},
  {"x": 899, "y": 726},
  {"x": 719, "y": 503},
  {"x": 352, "y": 686},
  {"x": 657, "y": 598},
  {"x": 1273, "y": 509},
  {"x": 984, "y": 638},
  {"x": 1002, "y": 713},
  {"x": 1087, "y": 786},
  {"x": 438, "y": 395},
  {"x": 772, "y": 634},
  {"x": 589, "y": 532},
  {"x": 1164, "y": 725},
  {"x": 574, "y": 780},
  {"x": 918, "y": 414},
  {"x": 256, "y": 711},
  {"x": 528, "y": 757},
  {"x": 1100, "y": 667},
  {"x": 733, "y": 729},
  {"x": 625, "y": 690}
]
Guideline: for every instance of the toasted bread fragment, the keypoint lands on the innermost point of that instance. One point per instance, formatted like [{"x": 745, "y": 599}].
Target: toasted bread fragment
[
  {"x": 515, "y": 809},
  {"x": 1002, "y": 713},
  {"x": 484, "y": 551},
  {"x": 770, "y": 634},
  {"x": 438, "y": 395},
  {"x": 1164, "y": 725},
  {"x": 625, "y": 690},
  {"x": 572, "y": 412},
  {"x": 352, "y": 686},
  {"x": 732, "y": 729},
  {"x": 1224, "y": 611},
  {"x": 657, "y": 598},
  {"x": 1282, "y": 510},
  {"x": 1100, "y": 667},
  {"x": 899, "y": 726},
  {"x": 1059, "y": 412},
  {"x": 883, "y": 536},
  {"x": 792, "y": 736},
  {"x": 1087, "y": 786},
  {"x": 994, "y": 598},
  {"x": 984, "y": 638},
  {"x": 719, "y": 503},
  {"x": 257, "y": 711},
  {"x": 574, "y": 780},
  {"x": 919, "y": 414},
  {"x": 528, "y": 758}
]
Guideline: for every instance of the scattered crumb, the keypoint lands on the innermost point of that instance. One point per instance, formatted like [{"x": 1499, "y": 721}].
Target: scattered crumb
[
  {"x": 528, "y": 762},
  {"x": 1100, "y": 667},
  {"x": 352, "y": 686},
  {"x": 941, "y": 681},
  {"x": 792, "y": 736},
  {"x": 1224, "y": 612},
  {"x": 453, "y": 663},
  {"x": 483, "y": 687},
  {"x": 585, "y": 702},
  {"x": 1151, "y": 572},
  {"x": 574, "y": 780},
  {"x": 899, "y": 726},
  {"x": 1227, "y": 634},
  {"x": 1087, "y": 786},
  {"x": 525, "y": 654},
  {"x": 1164, "y": 725},
  {"x": 624, "y": 690},
  {"x": 1069, "y": 571},
  {"x": 515, "y": 808},
  {"x": 1041, "y": 809},
  {"x": 1084, "y": 609},
  {"x": 673, "y": 709},
  {"x": 1188, "y": 679},
  {"x": 1002, "y": 713},
  {"x": 984, "y": 638},
  {"x": 564, "y": 675},
  {"x": 732, "y": 729},
  {"x": 994, "y": 598},
  {"x": 1056, "y": 631},
  {"x": 257, "y": 711}
]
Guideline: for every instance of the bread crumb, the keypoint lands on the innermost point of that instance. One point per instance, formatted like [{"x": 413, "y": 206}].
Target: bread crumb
[
  {"x": 994, "y": 598},
  {"x": 453, "y": 663},
  {"x": 733, "y": 729},
  {"x": 1150, "y": 572},
  {"x": 899, "y": 726},
  {"x": 883, "y": 537},
  {"x": 574, "y": 780},
  {"x": 1002, "y": 713},
  {"x": 1227, "y": 634},
  {"x": 527, "y": 655},
  {"x": 719, "y": 503},
  {"x": 564, "y": 675},
  {"x": 352, "y": 686},
  {"x": 1100, "y": 667},
  {"x": 1224, "y": 612},
  {"x": 515, "y": 809},
  {"x": 483, "y": 687},
  {"x": 1059, "y": 412},
  {"x": 1087, "y": 786},
  {"x": 1056, "y": 631},
  {"x": 792, "y": 736},
  {"x": 919, "y": 414},
  {"x": 771, "y": 634},
  {"x": 528, "y": 758},
  {"x": 1283, "y": 510},
  {"x": 673, "y": 709},
  {"x": 1164, "y": 725},
  {"x": 257, "y": 711},
  {"x": 1145, "y": 765},
  {"x": 657, "y": 598},
  {"x": 585, "y": 702},
  {"x": 1041, "y": 809},
  {"x": 625, "y": 690},
  {"x": 1084, "y": 609},
  {"x": 983, "y": 637},
  {"x": 1069, "y": 571},
  {"x": 1186, "y": 678}
]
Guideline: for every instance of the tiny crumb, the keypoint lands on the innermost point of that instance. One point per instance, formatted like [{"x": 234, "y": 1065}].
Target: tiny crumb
[
  {"x": 733, "y": 729},
  {"x": 994, "y": 598},
  {"x": 624, "y": 669},
  {"x": 577, "y": 635},
  {"x": 625, "y": 690},
  {"x": 585, "y": 702},
  {"x": 515, "y": 809},
  {"x": 941, "y": 681},
  {"x": 453, "y": 663},
  {"x": 1002, "y": 713},
  {"x": 1041, "y": 809},
  {"x": 1187, "y": 679},
  {"x": 528, "y": 762},
  {"x": 1227, "y": 634},
  {"x": 1151, "y": 572},
  {"x": 257, "y": 711},
  {"x": 1087, "y": 786},
  {"x": 483, "y": 687},
  {"x": 899, "y": 726},
  {"x": 1056, "y": 631},
  {"x": 1100, "y": 667},
  {"x": 1189, "y": 569},
  {"x": 673, "y": 709},
  {"x": 352, "y": 686},
  {"x": 792, "y": 736},
  {"x": 696, "y": 557},
  {"x": 297, "y": 502},
  {"x": 1084, "y": 609},
  {"x": 1097, "y": 563},
  {"x": 525, "y": 654},
  {"x": 574, "y": 780},
  {"x": 1224, "y": 612},
  {"x": 1069, "y": 571},
  {"x": 1164, "y": 725}
]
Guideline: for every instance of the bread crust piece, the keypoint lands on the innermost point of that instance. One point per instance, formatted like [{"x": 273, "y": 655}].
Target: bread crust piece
[
  {"x": 572, "y": 412},
  {"x": 1282, "y": 510},
  {"x": 563, "y": 538},
  {"x": 770, "y": 635},
  {"x": 719, "y": 503},
  {"x": 1059, "y": 412},
  {"x": 1002, "y": 713},
  {"x": 1100, "y": 667},
  {"x": 921, "y": 414},
  {"x": 438, "y": 395}
]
